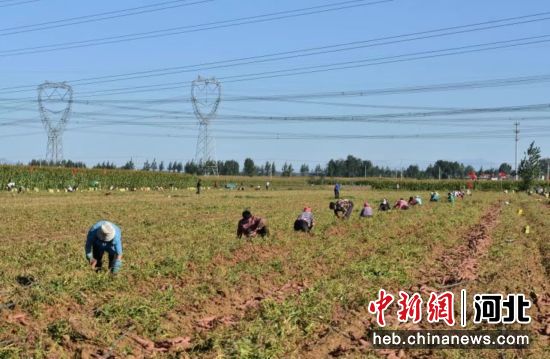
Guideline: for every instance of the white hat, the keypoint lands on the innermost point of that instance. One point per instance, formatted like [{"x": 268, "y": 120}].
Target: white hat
[{"x": 106, "y": 232}]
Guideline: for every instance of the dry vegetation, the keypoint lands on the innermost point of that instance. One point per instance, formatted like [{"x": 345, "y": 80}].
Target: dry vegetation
[{"x": 189, "y": 288}]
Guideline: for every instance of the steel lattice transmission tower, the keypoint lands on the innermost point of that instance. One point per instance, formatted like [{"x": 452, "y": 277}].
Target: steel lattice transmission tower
[
  {"x": 54, "y": 104},
  {"x": 206, "y": 97}
]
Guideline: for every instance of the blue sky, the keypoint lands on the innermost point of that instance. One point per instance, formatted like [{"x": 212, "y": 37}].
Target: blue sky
[{"x": 96, "y": 131}]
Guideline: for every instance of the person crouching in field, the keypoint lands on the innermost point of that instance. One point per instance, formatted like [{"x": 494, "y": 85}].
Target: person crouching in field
[
  {"x": 366, "y": 211},
  {"x": 401, "y": 204},
  {"x": 434, "y": 197},
  {"x": 451, "y": 197},
  {"x": 305, "y": 221},
  {"x": 251, "y": 226},
  {"x": 342, "y": 208},
  {"x": 104, "y": 237},
  {"x": 412, "y": 201},
  {"x": 384, "y": 205}
]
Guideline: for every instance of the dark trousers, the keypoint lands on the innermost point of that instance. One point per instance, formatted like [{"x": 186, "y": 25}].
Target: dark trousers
[
  {"x": 98, "y": 256},
  {"x": 301, "y": 225},
  {"x": 336, "y": 194},
  {"x": 264, "y": 231},
  {"x": 349, "y": 211}
]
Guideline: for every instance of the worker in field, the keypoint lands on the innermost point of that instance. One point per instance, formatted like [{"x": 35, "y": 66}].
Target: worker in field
[
  {"x": 251, "y": 226},
  {"x": 342, "y": 208},
  {"x": 305, "y": 221},
  {"x": 199, "y": 185},
  {"x": 401, "y": 204},
  {"x": 267, "y": 185},
  {"x": 451, "y": 197},
  {"x": 337, "y": 190},
  {"x": 384, "y": 206},
  {"x": 104, "y": 236},
  {"x": 10, "y": 186},
  {"x": 366, "y": 211},
  {"x": 434, "y": 197},
  {"x": 418, "y": 200}
]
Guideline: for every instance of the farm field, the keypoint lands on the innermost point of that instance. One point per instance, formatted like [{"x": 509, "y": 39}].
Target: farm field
[{"x": 189, "y": 288}]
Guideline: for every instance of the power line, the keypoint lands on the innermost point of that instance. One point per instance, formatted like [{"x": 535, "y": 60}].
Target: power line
[
  {"x": 450, "y": 86},
  {"x": 193, "y": 28},
  {"x": 495, "y": 45},
  {"x": 99, "y": 17},
  {"x": 403, "y": 117},
  {"x": 18, "y": 3},
  {"x": 304, "y": 52}
]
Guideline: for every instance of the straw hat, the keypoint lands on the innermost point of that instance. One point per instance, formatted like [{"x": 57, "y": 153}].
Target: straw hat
[{"x": 106, "y": 232}]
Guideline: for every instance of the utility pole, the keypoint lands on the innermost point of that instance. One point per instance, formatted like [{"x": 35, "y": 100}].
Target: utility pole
[
  {"x": 516, "y": 131},
  {"x": 439, "y": 170}
]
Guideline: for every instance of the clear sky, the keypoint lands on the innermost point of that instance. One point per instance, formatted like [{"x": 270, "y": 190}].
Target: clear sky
[{"x": 104, "y": 124}]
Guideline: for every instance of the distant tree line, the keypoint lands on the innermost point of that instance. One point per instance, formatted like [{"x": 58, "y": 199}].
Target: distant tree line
[
  {"x": 64, "y": 163},
  {"x": 351, "y": 166}
]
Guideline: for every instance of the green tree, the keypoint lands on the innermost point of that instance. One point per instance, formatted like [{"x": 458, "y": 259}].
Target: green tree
[
  {"x": 129, "y": 165},
  {"x": 304, "y": 170},
  {"x": 412, "y": 171},
  {"x": 161, "y": 166},
  {"x": 529, "y": 167},
  {"x": 190, "y": 168},
  {"x": 267, "y": 168},
  {"x": 249, "y": 169},
  {"x": 146, "y": 166},
  {"x": 287, "y": 170},
  {"x": 231, "y": 168},
  {"x": 506, "y": 168},
  {"x": 545, "y": 166}
]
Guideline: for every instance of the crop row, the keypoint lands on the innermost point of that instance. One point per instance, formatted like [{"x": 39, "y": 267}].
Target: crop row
[{"x": 59, "y": 178}]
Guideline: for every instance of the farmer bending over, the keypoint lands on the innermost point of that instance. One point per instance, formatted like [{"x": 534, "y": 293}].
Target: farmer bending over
[
  {"x": 412, "y": 201},
  {"x": 366, "y": 211},
  {"x": 434, "y": 197},
  {"x": 401, "y": 204},
  {"x": 451, "y": 197},
  {"x": 305, "y": 221},
  {"x": 342, "y": 208},
  {"x": 103, "y": 237},
  {"x": 251, "y": 226},
  {"x": 384, "y": 205},
  {"x": 10, "y": 186}
]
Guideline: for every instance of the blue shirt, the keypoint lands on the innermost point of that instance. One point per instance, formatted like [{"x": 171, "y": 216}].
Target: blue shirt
[{"x": 113, "y": 247}]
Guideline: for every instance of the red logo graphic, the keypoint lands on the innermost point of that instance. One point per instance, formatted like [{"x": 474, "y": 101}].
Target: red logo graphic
[
  {"x": 441, "y": 307},
  {"x": 410, "y": 307},
  {"x": 380, "y": 305}
]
